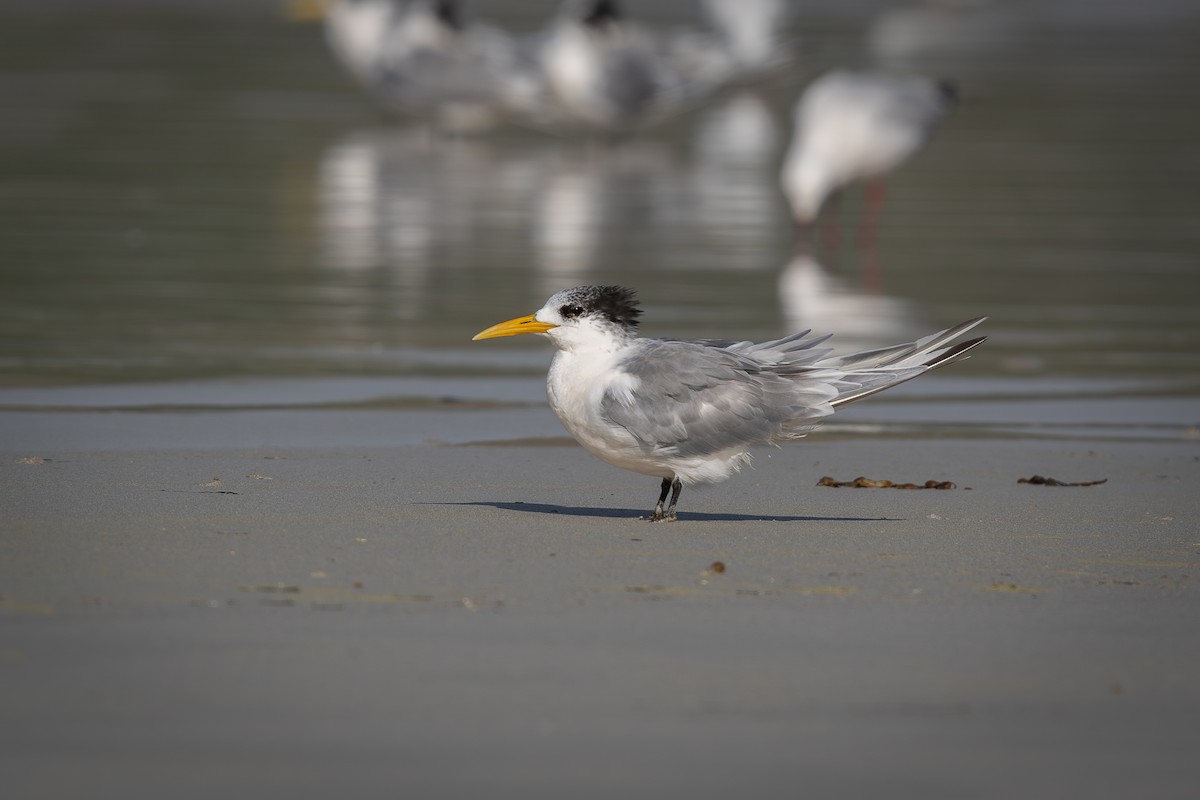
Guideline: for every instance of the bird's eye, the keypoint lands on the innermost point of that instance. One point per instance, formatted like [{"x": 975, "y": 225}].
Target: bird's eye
[{"x": 570, "y": 312}]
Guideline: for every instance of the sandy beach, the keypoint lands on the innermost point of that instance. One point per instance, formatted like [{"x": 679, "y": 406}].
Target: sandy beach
[{"x": 455, "y": 621}]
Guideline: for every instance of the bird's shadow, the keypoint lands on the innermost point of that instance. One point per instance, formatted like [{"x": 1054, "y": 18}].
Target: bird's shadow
[{"x": 635, "y": 514}]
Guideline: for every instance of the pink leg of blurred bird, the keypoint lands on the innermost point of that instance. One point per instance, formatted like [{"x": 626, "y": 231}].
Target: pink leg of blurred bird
[
  {"x": 803, "y": 243},
  {"x": 831, "y": 225},
  {"x": 874, "y": 196}
]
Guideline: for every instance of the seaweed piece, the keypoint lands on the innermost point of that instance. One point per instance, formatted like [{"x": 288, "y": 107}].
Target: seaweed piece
[
  {"x": 871, "y": 483},
  {"x": 1039, "y": 480}
]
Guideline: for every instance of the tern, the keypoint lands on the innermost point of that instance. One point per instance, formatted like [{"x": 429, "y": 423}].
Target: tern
[{"x": 688, "y": 412}]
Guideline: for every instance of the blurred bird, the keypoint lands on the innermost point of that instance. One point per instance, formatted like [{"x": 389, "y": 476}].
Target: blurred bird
[
  {"x": 852, "y": 126},
  {"x": 688, "y": 411},
  {"x": 605, "y": 71},
  {"x": 750, "y": 33},
  {"x": 423, "y": 59}
]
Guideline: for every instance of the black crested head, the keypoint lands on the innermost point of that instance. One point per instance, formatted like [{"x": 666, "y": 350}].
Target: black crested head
[
  {"x": 447, "y": 12},
  {"x": 602, "y": 12},
  {"x": 614, "y": 303},
  {"x": 949, "y": 91}
]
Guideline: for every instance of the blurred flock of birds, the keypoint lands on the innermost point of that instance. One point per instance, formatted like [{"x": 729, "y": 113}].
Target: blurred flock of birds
[
  {"x": 593, "y": 71},
  {"x": 590, "y": 68}
]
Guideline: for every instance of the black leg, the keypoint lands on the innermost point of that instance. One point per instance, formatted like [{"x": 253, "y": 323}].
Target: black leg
[
  {"x": 677, "y": 487},
  {"x": 674, "y": 488},
  {"x": 662, "y": 498}
]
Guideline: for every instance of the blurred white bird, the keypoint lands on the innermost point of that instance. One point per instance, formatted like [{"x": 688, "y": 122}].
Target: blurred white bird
[
  {"x": 853, "y": 126},
  {"x": 423, "y": 59},
  {"x": 751, "y": 33},
  {"x": 610, "y": 73},
  {"x": 605, "y": 71},
  {"x": 688, "y": 412}
]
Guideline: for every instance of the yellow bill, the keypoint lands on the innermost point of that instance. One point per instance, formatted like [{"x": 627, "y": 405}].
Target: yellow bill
[{"x": 514, "y": 327}]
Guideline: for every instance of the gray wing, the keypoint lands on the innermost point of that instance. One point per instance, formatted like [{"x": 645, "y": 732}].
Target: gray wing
[
  {"x": 912, "y": 100},
  {"x": 631, "y": 87},
  {"x": 797, "y": 349},
  {"x": 694, "y": 399}
]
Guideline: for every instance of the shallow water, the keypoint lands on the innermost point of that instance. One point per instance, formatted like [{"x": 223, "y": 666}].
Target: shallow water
[{"x": 198, "y": 208}]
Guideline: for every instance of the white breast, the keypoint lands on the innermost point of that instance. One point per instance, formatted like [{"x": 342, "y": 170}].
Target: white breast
[{"x": 576, "y": 386}]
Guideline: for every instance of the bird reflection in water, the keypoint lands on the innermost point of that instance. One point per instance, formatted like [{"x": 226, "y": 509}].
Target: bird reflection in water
[
  {"x": 955, "y": 30},
  {"x": 812, "y": 296},
  {"x": 405, "y": 204},
  {"x": 402, "y": 207}
]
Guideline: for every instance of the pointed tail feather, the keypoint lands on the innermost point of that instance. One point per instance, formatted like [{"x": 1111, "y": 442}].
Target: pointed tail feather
[
  {"x": 874, "y": 371},
  {"x": 955, "y": 353}
]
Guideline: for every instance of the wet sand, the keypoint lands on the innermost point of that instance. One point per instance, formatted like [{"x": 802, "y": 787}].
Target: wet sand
[{"x": 456, "y": 621}]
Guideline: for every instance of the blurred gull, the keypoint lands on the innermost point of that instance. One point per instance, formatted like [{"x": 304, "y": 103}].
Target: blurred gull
[
  {"x": 742, "y": 44},
  {"x": 603, "y": 70},
  {"x": 750, "y": 33},
  {"x": 607, "y": 72},
  {"x": 689, "y": 412},
  {"x": 852, "y": 126},
  {"x": 422, "y": 59}
]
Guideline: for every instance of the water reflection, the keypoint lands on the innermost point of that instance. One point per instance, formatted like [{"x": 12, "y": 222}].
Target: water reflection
[
  {"x": 586, "y": 196},
  {"x": 945, "y": 30},
  {"x": 219, "y": 203},
  {"x": 351, "y": 188},
  {"x": 740, "y": 132},
  {"x": 403, "y": 203},
  {"x": 812, "y": 296},
  {"x": 734, "y": 150},
  {"x": 398, "y": 205}
]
